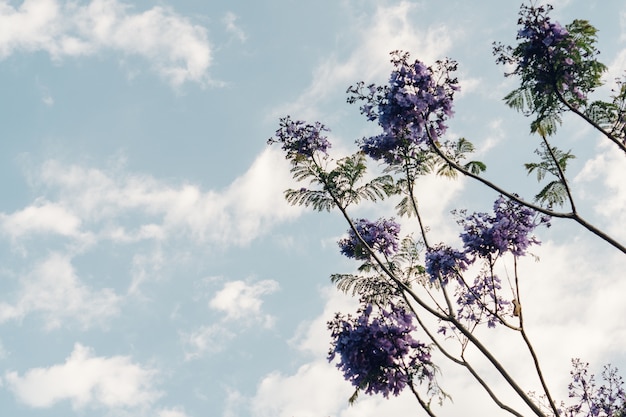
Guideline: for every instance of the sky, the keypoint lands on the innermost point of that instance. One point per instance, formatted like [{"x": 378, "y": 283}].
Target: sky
[{"x": 149, "y": 265}]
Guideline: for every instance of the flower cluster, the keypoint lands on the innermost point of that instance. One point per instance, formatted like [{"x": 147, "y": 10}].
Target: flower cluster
[
  {"x": 551, "y": 58},
  {"x": 378, "y": 353},
  {"x": 381, "y": 236},
  {"x": 607, "y": 400},
  {"x": 507, "y": 230},
  {"x": 301, "y": 139},
  {"x": 546, "y": 51},
  {"x": 416, "y": 103},
  {"x": 473, "y": 299},
  {"x": 445, "y": 263}
]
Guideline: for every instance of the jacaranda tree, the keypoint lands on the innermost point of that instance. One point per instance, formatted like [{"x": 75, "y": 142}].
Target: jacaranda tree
[{"x": 423, "y": 302}]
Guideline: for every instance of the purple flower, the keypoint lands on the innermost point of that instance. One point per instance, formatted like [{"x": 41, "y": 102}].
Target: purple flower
[
  {"x": 416, "y": 102},
  {"x": 378, "y": 353},
  {"x": 445, "y": 263},
  {"x": 473, "y": 299},
  {"x": 607, "y": 400},
  {"x": 549, "y": 56},
  {"x": 381, "y": 236},
  {"x": 507, "y": 230},
  {"x": 301, "y": 139}
]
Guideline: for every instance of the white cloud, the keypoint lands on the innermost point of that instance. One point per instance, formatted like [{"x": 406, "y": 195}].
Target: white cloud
[
  {"x": 242, "y": 301},
  {"x": 41, "y": 217},
  {"x": 53, "y": 290},
  {"x": 206, "y": 339},
  {"x": 86, "y": 380},
  {"x": 605, "y": 187},
  {"x": 389, "y": 28},
  {"x": 230, "y": 21},
  {"x": 176, "y": 48},
  {"x": 145, "y": 267},
  {"x": 316, "y": 389},
  {"x": 241, "y": 305},
  {"x": 312, "y": 336},
  {"x": 172, "y": 412},
  {"x": 93, "y": 203}
]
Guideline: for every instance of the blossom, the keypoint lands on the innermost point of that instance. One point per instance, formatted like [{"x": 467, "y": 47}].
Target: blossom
[
  {"x": 473, "y": 299},
  {"x": 508, "y": 230},
  {"x": 301, "y": 139},
  {"x": 551, "y": 57},
  {"x": 444, "y": 262},
  {"x": 607, "y": 400},
  {"x": 415, "y": 104},
  {"x": 377, "y": 353},
  {"x": 381, "y": 236},
  {"x": 546, "y": 46}
]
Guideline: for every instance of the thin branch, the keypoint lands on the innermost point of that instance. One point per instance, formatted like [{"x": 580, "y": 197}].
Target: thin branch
[
  {"x": 409, "y": 180},
  {"x": 462, "y": 362},
  {"x": 518, "y": 390},
  {"x": 530, "y": 347},
  {"x": 561, "y": 174},
  {"x": 535, "y": 207},
  {"x": 588, "y": 120},
  {"x": 490, "y": 391}
]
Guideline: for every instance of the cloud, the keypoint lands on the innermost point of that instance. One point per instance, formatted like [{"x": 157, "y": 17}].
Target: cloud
[
  {"x": 172, "y": 412},
  {"x": 240, "y": 304},
  {"x": 312, "y": 337},
  {"x": 239, "y": 300},
  {"x": 316, "y": 389},
  {"x": 388, "y": 28},
  {"x": 177, "y": 49},
  {"x": 86, "y": 380},
  {"x": 206, "y": 339},
  {"x": 41, "y": 218},
  {"x": 605, "y": 189},
  {"x": 92, "y": 205},
  {"x": 53, "y": 290},
  {"x": 229, "y": 21}
]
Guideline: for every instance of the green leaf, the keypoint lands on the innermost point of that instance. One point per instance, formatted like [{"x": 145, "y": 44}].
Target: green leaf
[
  {"x": 475, "y": 167},
  {"x": 319, "y": 200},
  {"x": 555, "y": 193},
  {"x": 552, "y": 194}
]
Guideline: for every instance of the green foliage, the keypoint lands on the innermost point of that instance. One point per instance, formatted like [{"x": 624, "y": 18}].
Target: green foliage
[
  {"x": 545, "y": 106},
  {"x": 588, "y": 70},
  {"x": 556, "y": 78},
  {"x": 319, "y": 200},
  {"x": 555, "y": 192},
  {"x": 602, "y": 113},
  {"x": 341, "y": 186},
  {"x": 457, "y": 151},
  {"x": 552, "y": 194},
  {"x": 373, "y": 286},
  {"x": 611, "y": 116}
]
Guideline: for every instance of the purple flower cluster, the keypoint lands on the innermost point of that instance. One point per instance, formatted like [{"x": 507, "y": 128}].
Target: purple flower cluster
[
  {"x": 547, "y": 51},
  {"x": 445, "y": 263},
  {"x": 381, "y": 236},
  {"x": 507, "y": 230},
  {"x": 415, "y": 103},
  {"x": 607, "y": 400},
  {"x": 473, "y": 299},
  {"x": 301, "y": 139},
  {"x": 378, "y": 353}
]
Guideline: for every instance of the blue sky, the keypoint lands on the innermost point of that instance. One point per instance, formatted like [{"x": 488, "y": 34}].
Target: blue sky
[{"x": 149, "y": 264}]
